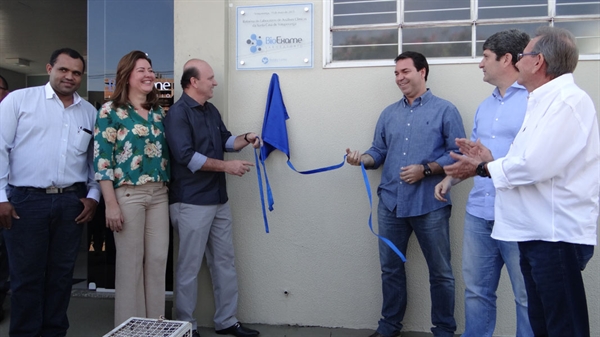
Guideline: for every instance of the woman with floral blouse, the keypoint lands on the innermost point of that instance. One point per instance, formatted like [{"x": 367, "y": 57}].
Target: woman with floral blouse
[{"x": 131, "y": 159}]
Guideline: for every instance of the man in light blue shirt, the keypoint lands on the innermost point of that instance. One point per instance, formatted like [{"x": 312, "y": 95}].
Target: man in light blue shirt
[
  {"x": 497, "y": 122},
  {"x": 47, "y": 192},
  {"x": 413, "y": 140}
]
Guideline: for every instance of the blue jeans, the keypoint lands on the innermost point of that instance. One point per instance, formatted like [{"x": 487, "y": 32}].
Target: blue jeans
[
  {"x": 555, "y": 290},
  {"x": 483, "y": 259},
  {"x": 42, "y": 247},
  {"x": 432, "y": 231}
]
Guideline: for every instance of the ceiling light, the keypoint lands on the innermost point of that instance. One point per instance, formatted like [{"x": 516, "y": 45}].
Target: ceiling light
[{"x": 18, "y": 62}]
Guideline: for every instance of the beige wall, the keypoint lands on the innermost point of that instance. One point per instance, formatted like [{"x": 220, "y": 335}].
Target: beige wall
[{"x": 320, "y": 248}]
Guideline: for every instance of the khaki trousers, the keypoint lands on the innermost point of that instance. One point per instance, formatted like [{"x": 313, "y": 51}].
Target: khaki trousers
[{"x": 142, "y": 249}]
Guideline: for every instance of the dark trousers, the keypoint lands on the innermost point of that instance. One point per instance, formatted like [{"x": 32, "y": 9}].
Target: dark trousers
[
  {"x": 555, "y": 291},
  {"x": 4, "y": 284},
  {"x": 42, "y": 247}
]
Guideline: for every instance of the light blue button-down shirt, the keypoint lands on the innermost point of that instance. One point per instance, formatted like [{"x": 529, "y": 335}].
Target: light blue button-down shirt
[
  {"x": 406, "y": 134},
  {"x": 43, "y": 144},
  {"x": 497, "y": 122}
]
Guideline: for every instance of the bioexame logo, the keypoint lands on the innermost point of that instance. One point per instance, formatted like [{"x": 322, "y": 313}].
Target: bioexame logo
[
  {"x": 257, "y": 42},
  {"x": 282, "y": 40}
]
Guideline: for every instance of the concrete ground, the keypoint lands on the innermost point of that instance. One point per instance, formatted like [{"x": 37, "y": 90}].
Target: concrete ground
[{"x": 93, "y": 317}]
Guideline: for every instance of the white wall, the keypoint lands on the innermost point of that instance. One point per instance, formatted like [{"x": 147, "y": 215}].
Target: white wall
[{"x": 320, "y": 248}]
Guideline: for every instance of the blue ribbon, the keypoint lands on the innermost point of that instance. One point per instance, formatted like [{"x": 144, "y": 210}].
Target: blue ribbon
[
  {"x": 260, "y": 161},
  {"x": 387, "y": 241},
  {"x": 323, "y": 169},
  {"x": 260, "y": 188},
  {"x": 275, "y": 137}
]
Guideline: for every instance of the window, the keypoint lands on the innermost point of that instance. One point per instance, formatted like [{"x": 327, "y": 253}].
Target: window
[{"x": 374, "y": 32}]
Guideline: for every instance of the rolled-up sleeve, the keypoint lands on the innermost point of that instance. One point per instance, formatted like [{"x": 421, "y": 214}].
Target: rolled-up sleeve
[
  {"x": 452, "y": 128},
  {"x": 92, "y": 184},
  {"x": 229, "y": 144},
  {"x": 378, "y": 150}
]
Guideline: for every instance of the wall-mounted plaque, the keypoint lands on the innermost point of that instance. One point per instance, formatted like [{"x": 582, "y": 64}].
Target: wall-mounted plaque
[{"x": 277, "y": 36}]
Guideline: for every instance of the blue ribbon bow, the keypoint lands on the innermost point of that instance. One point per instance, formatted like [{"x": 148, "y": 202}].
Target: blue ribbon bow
[{"x": 275, "y": 137}]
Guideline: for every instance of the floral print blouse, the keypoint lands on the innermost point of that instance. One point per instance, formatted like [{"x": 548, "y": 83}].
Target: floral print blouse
[{"x": 129, "y": 150}]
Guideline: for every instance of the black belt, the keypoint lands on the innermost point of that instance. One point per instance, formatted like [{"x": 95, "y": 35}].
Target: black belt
[{"x": 52, "y": 190}]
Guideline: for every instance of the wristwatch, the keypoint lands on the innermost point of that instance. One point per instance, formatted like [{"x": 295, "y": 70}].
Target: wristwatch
[
  {"x": 482, "y": 170},
  {"x": 426, "y": 170}
]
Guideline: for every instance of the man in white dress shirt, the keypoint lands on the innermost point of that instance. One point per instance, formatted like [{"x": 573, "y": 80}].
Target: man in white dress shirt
[
  {"x": 4, "y": 284},
  {"x": 47, "y": 192},
  {"x": 548, "y": 184}
]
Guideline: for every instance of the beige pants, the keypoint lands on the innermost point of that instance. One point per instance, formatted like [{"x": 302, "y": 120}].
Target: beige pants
[{"x": 142, "y": 249}]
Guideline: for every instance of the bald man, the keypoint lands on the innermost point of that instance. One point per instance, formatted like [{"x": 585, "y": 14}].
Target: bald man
[{"x": 198, "y": 199}]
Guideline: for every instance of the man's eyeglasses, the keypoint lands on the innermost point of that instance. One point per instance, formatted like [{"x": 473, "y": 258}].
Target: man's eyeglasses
[{"x": 520, "y": 55}]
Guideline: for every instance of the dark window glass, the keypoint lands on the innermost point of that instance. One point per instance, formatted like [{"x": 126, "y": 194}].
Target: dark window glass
[
  {"x": 501, "y": 9},
  {"x": 586, "y": 33},
  {"x": 453, "y": 41},
  {"x": 114, "y": 29},
  {"x": 365, "y": 19},
  {"x": 485, "y": 31},
  {"x": 362, "y": 13},
  {"x": 577, "y": 7},
  {"x": 438, "y": 41},
  {"x": 365, "y": 37},
  {"x": 365, "y": 53},
  {"x": 148, "y": 26},
  {"x": 462, "y": 49},
  {"x": 419, "y": 10}
]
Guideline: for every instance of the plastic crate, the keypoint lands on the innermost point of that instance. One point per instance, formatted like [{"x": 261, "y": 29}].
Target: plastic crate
[{"x": 147, "y": 327}]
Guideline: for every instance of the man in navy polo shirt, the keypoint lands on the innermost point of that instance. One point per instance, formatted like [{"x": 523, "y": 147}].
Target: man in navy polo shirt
[{"x": 199, "y": 207}]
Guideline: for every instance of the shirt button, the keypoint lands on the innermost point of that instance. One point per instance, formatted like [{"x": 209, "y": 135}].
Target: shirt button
[
  {"x": 487, "y": 194},
  {"x": 408, "y": 124},
  {"x": 411, "y": 111},
  {"x": 496, "y": 118},
  {"x": 493, "y": 137},
  {"x": 404, "y": 153},
  {"x": 501, "y": 102},
  {"x": 405, "y": 138}
]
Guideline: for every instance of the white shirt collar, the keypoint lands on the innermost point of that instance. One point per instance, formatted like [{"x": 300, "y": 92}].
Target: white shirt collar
[{"x": 50, "y": 93}]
